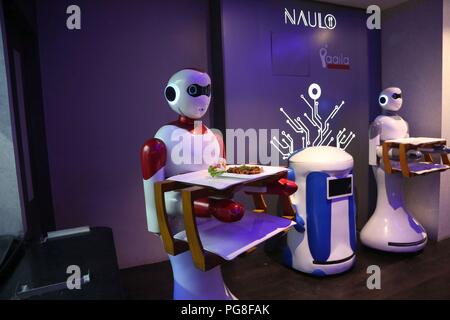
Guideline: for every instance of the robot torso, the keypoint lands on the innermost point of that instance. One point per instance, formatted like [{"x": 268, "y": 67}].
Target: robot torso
[
  {"x": 188, "y": 150},
  {"x": 391, "y": 127}
]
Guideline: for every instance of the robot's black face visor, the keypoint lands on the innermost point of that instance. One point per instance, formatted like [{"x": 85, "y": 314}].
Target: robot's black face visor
[
  {"x": 397, "y": 96},
  {"x": 195, "y": 90}
]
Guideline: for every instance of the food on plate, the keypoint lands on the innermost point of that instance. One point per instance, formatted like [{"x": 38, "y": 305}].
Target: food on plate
[
  {"x": 249, "y": 170},
  {"x": 218, "y": 169},
  {"x": 215, "y": 172},
  {"x": 221, "y": 168}
]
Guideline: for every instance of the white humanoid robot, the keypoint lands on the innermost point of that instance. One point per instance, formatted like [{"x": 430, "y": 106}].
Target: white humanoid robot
[
  {"x": 185, "y": 146},
  {"x": 181, "y": 147},
  {"x": 391, "y": 228}
]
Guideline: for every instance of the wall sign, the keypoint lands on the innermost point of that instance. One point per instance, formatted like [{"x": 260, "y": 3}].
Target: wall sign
[
  {"x": 333, "y": 61},
  {"x": 309, "y": 19}
]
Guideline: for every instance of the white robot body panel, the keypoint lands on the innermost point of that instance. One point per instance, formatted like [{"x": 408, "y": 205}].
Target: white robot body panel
[
  {"x": 392, "y": 228},
  {"x": 340, "y": 233},
  {"x": 149, "y": 193},
  {"x": 392, "y": 127},
  {"x": 172, "y": 200},
  {"x": 183, "y": 150},
  {"x": 188, "y": 151},
  {"x": 326, "y": 243},
  {"x": 305, "y": 263},
  {"x": 318, "y": 159},
  {"x": 297, "y": 242},
  {"x": 384, "y": 128},
  {"x": 191, "y": 283}
]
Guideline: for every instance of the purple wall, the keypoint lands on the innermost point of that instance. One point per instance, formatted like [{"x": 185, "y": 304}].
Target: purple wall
[
  {"x": 103, "y": 95},
  {"x": 412, "y": 42},
  {"x": 258, "y": 83}
]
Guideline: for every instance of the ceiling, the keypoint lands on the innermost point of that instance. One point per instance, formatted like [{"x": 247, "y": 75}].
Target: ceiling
[{"x": 384, "y": 4}]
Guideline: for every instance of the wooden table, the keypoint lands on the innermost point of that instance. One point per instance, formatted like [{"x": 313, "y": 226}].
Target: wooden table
[
  {"x": 412, "y": 169},
  {"x": 204, "y": 259}
]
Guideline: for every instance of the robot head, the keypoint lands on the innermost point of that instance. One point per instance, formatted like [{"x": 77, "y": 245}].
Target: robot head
[
  {"x": 188, "y": 93},
  {"x": 391, "y": 99}
]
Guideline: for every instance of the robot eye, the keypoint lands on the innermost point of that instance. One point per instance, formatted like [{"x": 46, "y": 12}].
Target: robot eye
[
  {"x": 383, "y": 100},
  {"x": 193, "y": 90},
  {"x": 170, "y": 94},
  {"x": 397, "y": 95}
]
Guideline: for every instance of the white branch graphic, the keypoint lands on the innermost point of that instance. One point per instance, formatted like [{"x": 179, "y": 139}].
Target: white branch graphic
[
  {"x": 315, "y": 123},
  {"x": 286, "y": 148}
]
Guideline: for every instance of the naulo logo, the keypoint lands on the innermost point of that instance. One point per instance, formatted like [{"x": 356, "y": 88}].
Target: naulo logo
[{"x": 309, "y": 19}]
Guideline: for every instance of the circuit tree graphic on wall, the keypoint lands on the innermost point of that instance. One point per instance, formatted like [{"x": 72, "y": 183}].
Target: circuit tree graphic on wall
[{"x": 314, "y": 129}]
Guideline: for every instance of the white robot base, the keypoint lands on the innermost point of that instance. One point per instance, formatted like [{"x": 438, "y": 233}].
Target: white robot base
[
  {"x": 298, "y": 256},
  {"x": 323, "y": 241},
  {"x": 191, "y": 283},
  {"x": 392, "y": 228}
]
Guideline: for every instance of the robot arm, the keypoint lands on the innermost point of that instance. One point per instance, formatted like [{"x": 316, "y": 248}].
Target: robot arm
[
  {"x": 153, "y": 161},
  {"x": 375, "y": 148},
  {"x": 283, "y": 186},
  {"x": 437, "y": 150}
]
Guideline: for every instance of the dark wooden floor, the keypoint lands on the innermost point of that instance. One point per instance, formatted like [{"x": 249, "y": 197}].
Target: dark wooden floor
[{"x": 260, "y": 275}]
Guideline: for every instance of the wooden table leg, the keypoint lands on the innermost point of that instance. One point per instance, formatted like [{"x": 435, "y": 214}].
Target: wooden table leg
[
  {"x": 404, "y": 160},
  {"x": 202, "y": 259},
  {"x": 171, "y": 245},
  {"x": 260, "y": 203},
  {"x": 444, "y": 157}
]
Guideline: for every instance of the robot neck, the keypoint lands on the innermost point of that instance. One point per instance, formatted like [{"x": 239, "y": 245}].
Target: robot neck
[
  {"x": 194, "y": 126},
  {"x": 186, "y": 121},
  {"x": 390, "y": 113}
]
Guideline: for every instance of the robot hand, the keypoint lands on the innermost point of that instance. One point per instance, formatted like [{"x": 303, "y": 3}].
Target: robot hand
[
  {"x": 394, "y": 154},
  {"x": 282, "y": 187},
  {"x": 414, "y": 155},
  {"x": 224, "y": 210},
  {"x": 436, "y": 149}
]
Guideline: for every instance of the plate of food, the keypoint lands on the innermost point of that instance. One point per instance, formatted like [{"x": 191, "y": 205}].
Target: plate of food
[
  {"x": 235, "y": 171},
  {"x": 222, "y": 176}
]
